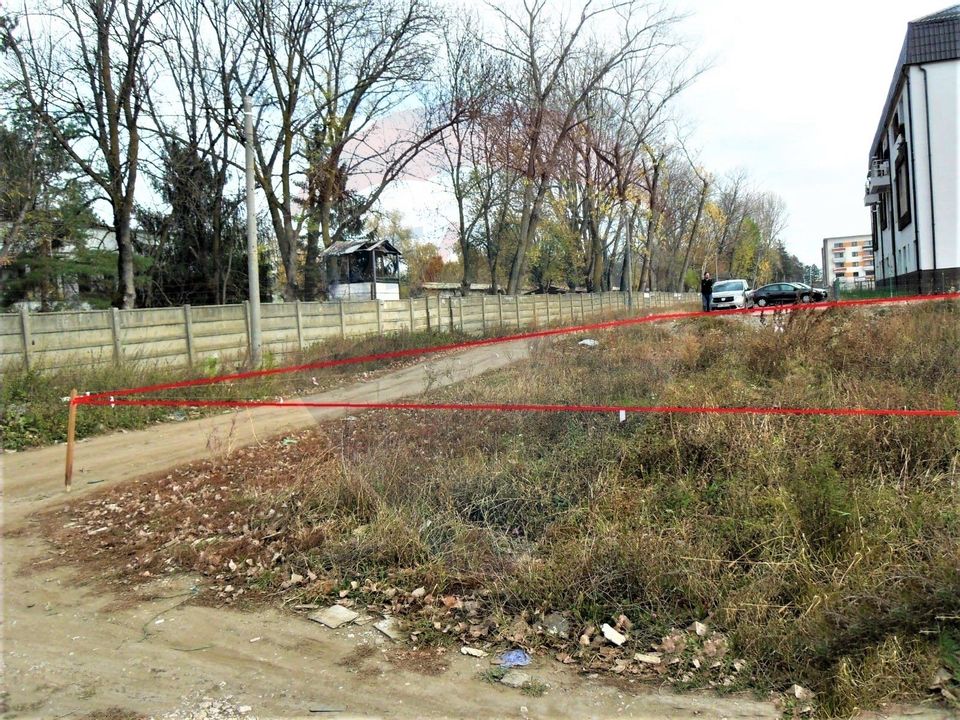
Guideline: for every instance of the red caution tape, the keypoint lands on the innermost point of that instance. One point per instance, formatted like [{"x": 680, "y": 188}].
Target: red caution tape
[
  {"x": 525, "y": 407},
  {"x": 119, "y": 397}
]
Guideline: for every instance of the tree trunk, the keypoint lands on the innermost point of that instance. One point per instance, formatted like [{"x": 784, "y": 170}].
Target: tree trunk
[
  {"x": 693, "y": 235},
  {"x": 126, "y": 289}
]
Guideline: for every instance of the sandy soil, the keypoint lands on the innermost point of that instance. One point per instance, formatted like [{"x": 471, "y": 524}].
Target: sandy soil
[{"x": 70, "y": 649}]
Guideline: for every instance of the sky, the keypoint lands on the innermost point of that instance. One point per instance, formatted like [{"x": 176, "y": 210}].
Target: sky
[{"x": 793, "y": 96}]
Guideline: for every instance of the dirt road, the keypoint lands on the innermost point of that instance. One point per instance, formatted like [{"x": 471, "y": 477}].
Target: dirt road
[{"x": 71, "y": 649}]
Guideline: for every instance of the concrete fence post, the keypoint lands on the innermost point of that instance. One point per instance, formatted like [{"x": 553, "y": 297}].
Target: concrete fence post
[
  {"x": 547, "y": 296},
  {"x": 450, "y": 313},
  {"x": 516, "y": 299},
  {"x": 246, "y": 325},
  {"x": 188, "y": 334},
  {"x": 379, "y": 317},
  {"x": 535, "y": 322},
  {"x": 25, "y": 335},
  {"x": 297, "y": 313},
  {"x": 117, "y": 340},
  {"x": 460, "y": 308},
  {"x": 582, "y": 316},
  {"x": 500, "y": 307},
  {"x": 426, "y": 303},
  {"x": 483, "y": 313},
  {"x": 412, "y": 316},
  {"x": 343, "y": 321}
]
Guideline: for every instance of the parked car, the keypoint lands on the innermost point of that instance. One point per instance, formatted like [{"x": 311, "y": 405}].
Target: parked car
[
  {"x": 785, "y": 293},
  {"x": 729, "y": 294}
]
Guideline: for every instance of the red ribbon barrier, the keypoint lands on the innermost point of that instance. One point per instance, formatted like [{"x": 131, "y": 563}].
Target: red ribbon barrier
[
  {"x": 523, "y": 407},
  {"x": 118, "y": 397}
]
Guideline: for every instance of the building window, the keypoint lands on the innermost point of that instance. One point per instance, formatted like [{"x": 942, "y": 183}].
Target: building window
[{"x": 903, "y": 188}]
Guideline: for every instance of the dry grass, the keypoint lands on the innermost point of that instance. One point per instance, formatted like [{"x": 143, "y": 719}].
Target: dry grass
[{"x": 826, "y": 549}]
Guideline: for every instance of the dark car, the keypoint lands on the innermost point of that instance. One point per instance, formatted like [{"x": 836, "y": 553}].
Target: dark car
[{"x": 786, "y": 293}]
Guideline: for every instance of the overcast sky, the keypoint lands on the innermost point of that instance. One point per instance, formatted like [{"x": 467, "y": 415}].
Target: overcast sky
[{"x": 794, "y": 96}]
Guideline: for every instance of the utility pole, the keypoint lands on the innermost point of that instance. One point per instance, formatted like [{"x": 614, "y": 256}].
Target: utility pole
[{"x": 253, "y": 263}]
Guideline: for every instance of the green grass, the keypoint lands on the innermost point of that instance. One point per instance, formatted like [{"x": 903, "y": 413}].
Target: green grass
[
  {"x": 827, "y": 549},
  {"x": 33, "y": 411}
]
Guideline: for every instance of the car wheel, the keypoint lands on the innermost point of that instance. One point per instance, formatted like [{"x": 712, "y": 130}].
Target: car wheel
[
  {"x": 805, "y": 298},
  {"x": 762, "y": 302}
]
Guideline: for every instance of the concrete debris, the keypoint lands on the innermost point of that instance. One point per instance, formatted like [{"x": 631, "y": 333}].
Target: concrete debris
[
  {"x": 699, "y": 628},
  {"x": 800, "y": 693},
  {"x": 473, "y": 652},
  {"x": 515, "y": 678},
  {"x": 648, "y": 658},
  {"x": 588, "y": 342},
  {"x": 612, "y": 635},
  {"x": 941, "y": 678},
  {"x": 334, "y": 616},
  {"x": 209, "y": 709},
  {"x": 418, "y": 593},
  {"x": 389, "y": 627}
]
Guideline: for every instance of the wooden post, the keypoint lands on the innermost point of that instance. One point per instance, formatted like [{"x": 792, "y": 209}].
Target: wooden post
[
  {"x": 483, "y": 312},
  {"x": 582, "y": 317},
  {"x": 299, "y": 318},
  {"x": 25, "y": 334},
  {"x": 412, "y": 316},
  {"x": 500, "y": 307},
  {"x": 535, "y": 311},
  {"x": 71, "y": 431},
  {"x": 516, "y": 300},
  {"x": 343, "y": 321},
  {"x": 547, "y": 296},
  {"x": 426, "y": 302},
  {"x": 450, "y": 312},
  {"x": 460, "y": 308},
  {"x": 188, "y": 332}
]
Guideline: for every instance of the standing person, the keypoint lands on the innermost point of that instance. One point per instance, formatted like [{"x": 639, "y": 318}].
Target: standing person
[{"x": 706, "y": 290}]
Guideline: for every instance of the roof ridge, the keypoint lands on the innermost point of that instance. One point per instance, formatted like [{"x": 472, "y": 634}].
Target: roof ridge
[{"x": 946, "y": 14}]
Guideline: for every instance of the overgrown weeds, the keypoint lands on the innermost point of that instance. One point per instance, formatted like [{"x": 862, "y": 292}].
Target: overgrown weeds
[
  {"x": 33, "y": 409},
  {"x": 826, "y": 549}
]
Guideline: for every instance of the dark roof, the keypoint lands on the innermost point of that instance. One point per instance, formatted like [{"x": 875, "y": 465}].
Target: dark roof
[
  {"x": 348, "y": 247},
  {"x": 929, "y": 39}
]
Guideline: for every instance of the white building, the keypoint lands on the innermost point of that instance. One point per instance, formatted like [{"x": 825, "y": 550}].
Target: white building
[
  {"x": 913, "y": 188},
  {"x": 848, "y": 259}
]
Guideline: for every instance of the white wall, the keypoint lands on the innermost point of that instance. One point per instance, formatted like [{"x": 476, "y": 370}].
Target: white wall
[
  {"x": 943, "y": 95},
  {"x": 361, "y": 291}
]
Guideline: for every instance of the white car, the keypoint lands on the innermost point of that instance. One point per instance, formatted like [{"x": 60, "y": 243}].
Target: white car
[{"x": 729, "y": 294}]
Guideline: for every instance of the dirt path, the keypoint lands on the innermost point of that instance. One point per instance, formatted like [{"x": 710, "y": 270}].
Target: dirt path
[
  {"x": 70, "y": 649},
  {"x": 34, "y": 478}
]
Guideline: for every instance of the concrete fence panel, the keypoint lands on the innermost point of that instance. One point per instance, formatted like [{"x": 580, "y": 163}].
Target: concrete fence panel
[{"x": 190, "y": 335}]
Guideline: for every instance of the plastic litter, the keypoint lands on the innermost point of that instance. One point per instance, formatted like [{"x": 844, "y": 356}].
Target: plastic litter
[{"x": 514, "y": 658}]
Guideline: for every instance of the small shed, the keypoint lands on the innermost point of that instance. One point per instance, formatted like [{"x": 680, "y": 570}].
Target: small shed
[{"x": 365, "y": 269}]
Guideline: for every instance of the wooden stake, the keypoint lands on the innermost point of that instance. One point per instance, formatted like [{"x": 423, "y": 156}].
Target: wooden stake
[{"x": 71, "y": 431}]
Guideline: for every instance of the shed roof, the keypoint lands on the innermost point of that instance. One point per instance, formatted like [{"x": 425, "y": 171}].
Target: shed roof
[{"x": 349, "y": 247}]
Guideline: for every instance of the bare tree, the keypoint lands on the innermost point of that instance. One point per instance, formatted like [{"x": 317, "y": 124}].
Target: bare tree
[
  {"x": 84, "y": 78},
  {"x": 563, "y": 65},
  {"x": 471, "y": 83},
  {"x": 375, "y": 57}
]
